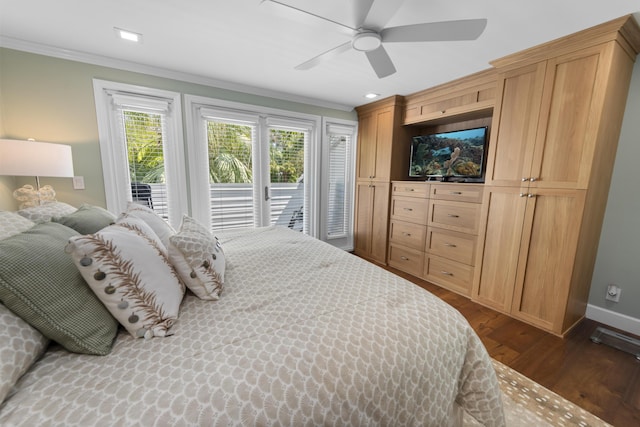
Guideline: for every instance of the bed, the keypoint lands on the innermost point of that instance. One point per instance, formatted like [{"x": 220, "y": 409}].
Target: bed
[{"x": 302, "y": 334}]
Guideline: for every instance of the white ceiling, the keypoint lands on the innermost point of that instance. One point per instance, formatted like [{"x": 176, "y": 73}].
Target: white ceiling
[{"x": 253, "y": 47}]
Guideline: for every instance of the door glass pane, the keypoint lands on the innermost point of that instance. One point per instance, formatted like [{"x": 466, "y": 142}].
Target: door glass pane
[
  {"x": 144, "y": 139},
  {"x": 286, "y": 157},
  {"x": 230, "y": 173}
]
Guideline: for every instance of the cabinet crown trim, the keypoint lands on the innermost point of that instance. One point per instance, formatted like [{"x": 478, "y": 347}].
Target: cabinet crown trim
[{"x": 625, "y": 30}]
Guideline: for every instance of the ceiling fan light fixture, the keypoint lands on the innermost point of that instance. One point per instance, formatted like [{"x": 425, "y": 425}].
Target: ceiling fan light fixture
[{"x": 366, "y": 41}]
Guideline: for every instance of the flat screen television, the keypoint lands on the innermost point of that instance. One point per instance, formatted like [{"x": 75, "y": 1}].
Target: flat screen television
[{"x": 450, "y": 156}]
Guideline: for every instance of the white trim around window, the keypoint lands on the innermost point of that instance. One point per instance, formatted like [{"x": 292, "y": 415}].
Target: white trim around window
[{"x": 109, "y": 98}]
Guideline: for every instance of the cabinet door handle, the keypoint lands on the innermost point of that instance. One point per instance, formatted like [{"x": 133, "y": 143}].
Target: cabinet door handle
[
  {"x": 522, "y": 194},
  {"x": 446, "y": 273},
  {"x": 453, "y": 216},
  {"x": 531, "y": 196},
  {"x": 533, "y": 179},
  {"x": 456, "y": 193},
  {"x": 404, "y": 258},
  {"x": 525, "y": 179},
  {"x": 450, "y": 245}
]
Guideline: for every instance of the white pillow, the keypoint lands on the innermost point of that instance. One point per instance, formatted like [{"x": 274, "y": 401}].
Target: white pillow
[
  {"x": 159, "y": 226},
  {"x": 127, "y": 267},
  {"x": 199, "y": 259},
  {"x": 11, "y": 224},
  {"x": 20, "y": 346},
  {"x": 45, "y": 212}
]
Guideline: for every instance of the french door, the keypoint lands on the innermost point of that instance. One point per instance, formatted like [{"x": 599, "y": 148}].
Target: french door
[{"x": 254, "y": 167}]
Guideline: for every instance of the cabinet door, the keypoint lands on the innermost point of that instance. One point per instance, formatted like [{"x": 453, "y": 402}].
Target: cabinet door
[
  {"x": 371, "y": 219},
  {"x": 545, "y": 265},
  {"x": 374, "y": 145},
  {"x": 501, "y": 232},
  {"x": 514, "y": 127},
  {"x": 567, "y": 128}
]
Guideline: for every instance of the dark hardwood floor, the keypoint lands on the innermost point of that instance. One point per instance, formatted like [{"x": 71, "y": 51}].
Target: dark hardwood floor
[{"x": 598, "y": 378}]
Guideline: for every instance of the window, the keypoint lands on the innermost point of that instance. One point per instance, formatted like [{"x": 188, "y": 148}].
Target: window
[
  {"x": 139, "y": 131},
  {"x": 255, "y": 164},
  {"x": 243, "y": 165},
  {"x": 339, "y": 137}
]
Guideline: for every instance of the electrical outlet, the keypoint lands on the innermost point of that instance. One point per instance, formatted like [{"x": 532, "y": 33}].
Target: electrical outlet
[
  {"x": 78, "y": 183},
  {"x": 613, "y": 293}
]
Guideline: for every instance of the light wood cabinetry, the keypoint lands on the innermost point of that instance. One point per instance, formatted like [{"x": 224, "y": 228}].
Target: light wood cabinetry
[
  {"x": 408, "y": 227},
  {"x": 463, "y": 99},
  {"x": 525, "y": 242},
  {"x": 433, "y": 232},
  {"x": 380, "y": 157},
  {"x": 555, "y": 129},
  {"x": 454, "y": 216},
  {"x": 370, "y": 225}
]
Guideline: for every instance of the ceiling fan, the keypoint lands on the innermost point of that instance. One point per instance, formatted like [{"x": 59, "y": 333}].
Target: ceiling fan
[{"x": 369, "y": 34}]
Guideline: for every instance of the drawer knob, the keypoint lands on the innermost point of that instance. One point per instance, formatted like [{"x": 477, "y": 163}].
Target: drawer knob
[
  {"x": 446, "y": 273},
  {"x": 408, "y": 209},
  {"x": 453, "y": 216},
  {"x": 410, "y": 189},
  {"x": 406, "y": 234},
  {"x": 450, "y": 245},
  {"x": 456, "y": 193},
  {"x": 404, "y": 258}
]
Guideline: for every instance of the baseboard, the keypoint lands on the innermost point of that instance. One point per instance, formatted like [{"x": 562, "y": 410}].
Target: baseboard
[{"x": 613, "y": 319}]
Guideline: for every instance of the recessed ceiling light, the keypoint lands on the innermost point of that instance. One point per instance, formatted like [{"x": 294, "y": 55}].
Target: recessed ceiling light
[
  {"x": 128, "y": 35},
  {"x": 372, "y": 95}
]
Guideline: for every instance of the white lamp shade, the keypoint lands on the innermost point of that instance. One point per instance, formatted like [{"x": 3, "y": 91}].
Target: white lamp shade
[{"x": 31, "y": 158}]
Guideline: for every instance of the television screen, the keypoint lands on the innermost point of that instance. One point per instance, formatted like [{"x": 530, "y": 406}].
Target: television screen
[{"x": 458, "y": 154}]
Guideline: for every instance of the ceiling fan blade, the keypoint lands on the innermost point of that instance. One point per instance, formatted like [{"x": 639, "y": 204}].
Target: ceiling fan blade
[
  {"x": 361, "y": 9},
  {"x": 324, "y": 56},
  {"x": 381, "y": 62},
  {"x": 297, "y": 14},
  {"x": 466, "y": 29},
  {"x": 380, "y": 13}
]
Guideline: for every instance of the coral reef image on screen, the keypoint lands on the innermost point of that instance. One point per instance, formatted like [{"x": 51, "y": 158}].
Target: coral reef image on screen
[{"x": 458, "y": 153}]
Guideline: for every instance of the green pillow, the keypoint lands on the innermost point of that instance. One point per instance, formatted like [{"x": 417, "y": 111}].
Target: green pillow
[
  {"x": 87, "y": 219},
  {"x": 40, "y": 283}
]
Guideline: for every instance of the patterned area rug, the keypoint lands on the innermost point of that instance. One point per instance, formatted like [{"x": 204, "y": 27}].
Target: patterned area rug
[{"x": 527, "y": 403}]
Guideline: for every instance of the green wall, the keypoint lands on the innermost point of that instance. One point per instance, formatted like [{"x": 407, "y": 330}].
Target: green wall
[
  {"x": 51, "y": 99},
  {"x": 618, "y": 260}
]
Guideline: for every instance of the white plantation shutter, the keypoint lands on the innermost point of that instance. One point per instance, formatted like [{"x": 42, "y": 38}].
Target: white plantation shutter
[
  {"x": 338, "y": 206},
  {"x": 141, "y": 145}
]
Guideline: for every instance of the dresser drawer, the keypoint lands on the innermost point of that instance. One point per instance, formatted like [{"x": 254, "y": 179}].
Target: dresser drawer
[
  {"x": 471, "y": 193},
  {"x": 452, "y": 245},
  {"x": 449, "y": 274},
  {"x": 410, "y": 189},
  {"x": 409, "y": 209},
  {"x": 406, "y": 259},
  {"x": 408, "y": 234},
  {"x": 457, "y": 216}
]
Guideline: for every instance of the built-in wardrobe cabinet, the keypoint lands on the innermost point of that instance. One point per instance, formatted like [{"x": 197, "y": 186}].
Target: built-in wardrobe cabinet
[
  {"x": 555, "y": 129},
  {"x": 382, "y": 143}
]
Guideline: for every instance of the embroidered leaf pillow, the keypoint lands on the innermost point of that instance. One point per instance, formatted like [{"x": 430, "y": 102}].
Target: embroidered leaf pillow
[{"x": 127, "y": 267}]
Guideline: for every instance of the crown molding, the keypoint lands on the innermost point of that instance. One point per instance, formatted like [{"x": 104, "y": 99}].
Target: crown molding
[{"x": 105, "y": 61}]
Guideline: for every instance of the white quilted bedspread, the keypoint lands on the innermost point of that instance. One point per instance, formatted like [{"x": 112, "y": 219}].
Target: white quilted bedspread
[{"x": 303, "y": 335}]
